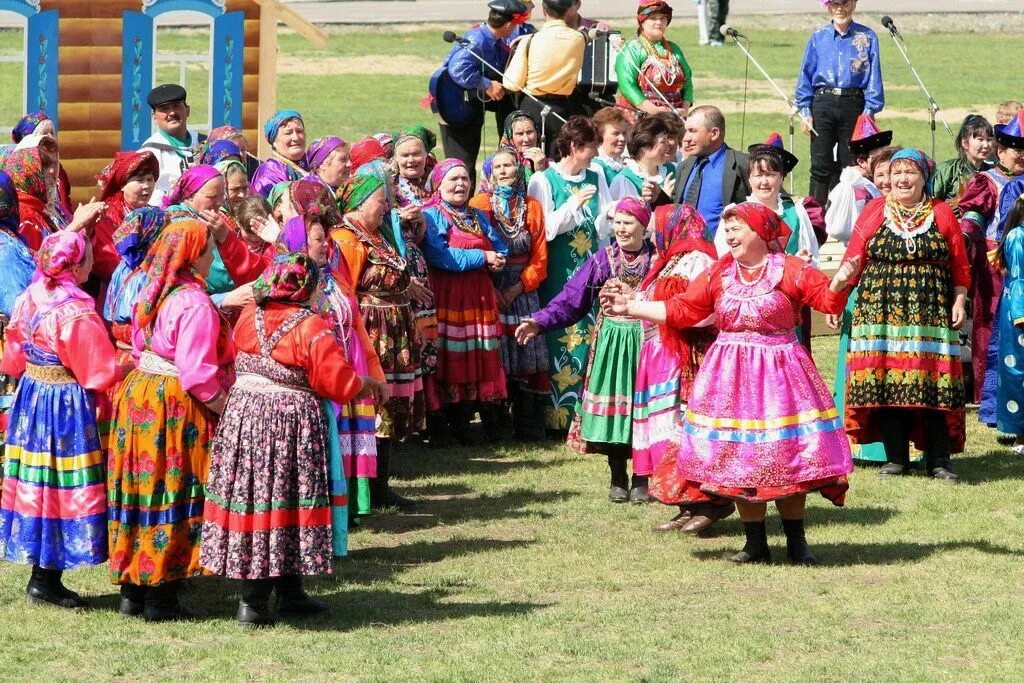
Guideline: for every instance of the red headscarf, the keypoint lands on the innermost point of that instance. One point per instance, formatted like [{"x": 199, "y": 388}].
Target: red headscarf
[
  {"x": 365, "y": 151},
  {"x": 762, "y": 220},
  {"x": 116, "y": 175},
  {"x": 678, "y": 229}
]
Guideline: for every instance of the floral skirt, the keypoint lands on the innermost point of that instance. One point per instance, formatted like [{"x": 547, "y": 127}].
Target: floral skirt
[
  {"x": 392, "y": 331},
  {"x": 157, "y": 466},
  {"x": 268, "y": 509},
  {"x": 53, "y": 512}
]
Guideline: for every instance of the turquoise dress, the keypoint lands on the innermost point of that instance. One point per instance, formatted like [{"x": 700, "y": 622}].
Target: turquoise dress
[{"x": 1010, "y": 382}]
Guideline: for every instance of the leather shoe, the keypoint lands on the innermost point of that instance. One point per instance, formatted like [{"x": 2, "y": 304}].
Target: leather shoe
[
  {"x": 944, "y": 474},
  {"x": 617, "y": 494},
  {"x": 744, "y": 557},
  {"x": 706, "y": 515},
  {"x": 59, "y": 596},
  {"x": 639, "y": 494},
  {"x": 674, "y": 524},
  {"x": 892, "y": 469},
  {"x": 253, "y": 616},
  {"x": 300, "y": 606}
]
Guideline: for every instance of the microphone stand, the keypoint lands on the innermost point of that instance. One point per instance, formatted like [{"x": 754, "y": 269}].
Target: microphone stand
[
  {"x": 933, "y": 106},
  {"x": 790, "y": 103},
  {"x": 545, "y": 108}
]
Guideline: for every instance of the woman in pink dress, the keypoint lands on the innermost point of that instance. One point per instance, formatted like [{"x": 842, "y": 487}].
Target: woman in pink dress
[{"x": 761, "y": 425}]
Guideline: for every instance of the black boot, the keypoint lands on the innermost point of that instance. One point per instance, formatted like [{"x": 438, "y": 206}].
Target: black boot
[
  {"x": 293, "y": 601},
  {"x": 494, "y": 420},
  {"x": 526, "y": 425},
  {"x": 162, "y": 604},
  {"x": 617, "y": 492},
  {"x": 755, "y": 550},
  {"x": 459, "y": 416},
  {"x": 819, "y": 190},
  {"x": 897, "y": 445},
  {"x": 381, "y": 494},
  {"x": 937, "y": 458},
  {"x": 133, "y": 600},
  {"x": 45, "y": 588},
  {"x": 254, "y": 603},
  {"x": 796, "y": 542},
  {"x": 638, "y": 491},
  {"x": 438, "y": 434}
]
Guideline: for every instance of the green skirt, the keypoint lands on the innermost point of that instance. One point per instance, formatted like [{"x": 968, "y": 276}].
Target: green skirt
[{"x": 606, "y": 415}]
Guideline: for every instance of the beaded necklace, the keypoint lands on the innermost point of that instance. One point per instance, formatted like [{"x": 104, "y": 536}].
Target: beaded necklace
[
  {"x": 908, "y": 222},
  {"x": 462, "y": 219},
  {"x": 511, "y": 226},
  {"x": 667, "y": 65},
  {"x": 380, "y": 249}
]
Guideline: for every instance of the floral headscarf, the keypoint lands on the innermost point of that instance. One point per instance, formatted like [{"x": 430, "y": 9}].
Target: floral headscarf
[
  {"x": 223, "y": 133},
  {"x": 25, "y": 166},
  {"x": 224, "y": 167},
  {"x": 320, "y": 149},
  {"x": 503, "y": 196},
  {"x": 191, "y": 181},
  {"x": 54, "y": 282},
  {"x": 290, "y": 278},
  {"x": 116, "y": 175},
  {"x": 218, "y": 151},
  {"x": 136, "y": 233},
  {"x": 678, "y": 229},
  {"x": 649, "y": 7},
  {"x": 10, "y": 217},
  {"x": 27, "y": 125},
  {"x": 274, "y": 123},
  {"x": 314, "y": 202},
  {"x": 635, "y": 207},
  {"x": 358, "y": 190},
  {"x": 421, "y": 133},
  {"x": 276, "y": 192},
  {"x": 762, "y": 220},
  {"x": 168, "y": 264},
  {"x": 440, "y": 171}
]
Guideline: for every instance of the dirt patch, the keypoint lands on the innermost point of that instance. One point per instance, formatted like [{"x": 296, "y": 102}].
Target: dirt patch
[{"x": 394, "y": 65}]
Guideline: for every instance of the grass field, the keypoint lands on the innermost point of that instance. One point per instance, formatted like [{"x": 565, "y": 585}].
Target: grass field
[{"x": 516, "y": 567}]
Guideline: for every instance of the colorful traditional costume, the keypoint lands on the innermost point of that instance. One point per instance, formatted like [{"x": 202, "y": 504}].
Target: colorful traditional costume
[
  {"x": 277, "y": 169},
  {"x": 645, "y": 69},
  {"x": 905, "y": 379},
  {"x": 38, "y": 217},
  {"x": 18, "y": 267},
  {"x": 112, "y": 180},
  {"x": 1010, "y": 386},
  {"x": 53, "y": 510},
  {"x": 572, "y": 236},
  {"x": 268, "y": 511}
]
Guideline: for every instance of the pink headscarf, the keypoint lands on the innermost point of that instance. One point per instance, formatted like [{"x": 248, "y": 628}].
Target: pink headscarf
[
  {"x": 437, "y": 175},
  {"x": 54, "y": 281},
  {"x": 191, "y": 181},
  {"x": 635, "y": 207}
]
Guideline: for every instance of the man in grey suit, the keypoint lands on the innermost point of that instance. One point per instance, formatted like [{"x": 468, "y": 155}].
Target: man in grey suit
[{"x": 713, "y": 175}]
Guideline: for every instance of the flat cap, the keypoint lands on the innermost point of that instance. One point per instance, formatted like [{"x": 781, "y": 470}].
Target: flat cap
[
  {"x": 509, "y": 7},
  {"x": 165, "y": 94}
]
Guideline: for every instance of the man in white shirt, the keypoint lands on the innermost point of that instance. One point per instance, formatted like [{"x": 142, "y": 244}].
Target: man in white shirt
[{"x": 172, "y": 143}]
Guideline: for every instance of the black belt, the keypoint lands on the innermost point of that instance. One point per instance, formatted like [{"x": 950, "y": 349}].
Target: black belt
[
  {"x": 556, "y": 98},
  {"x": 840, "y": 92}
]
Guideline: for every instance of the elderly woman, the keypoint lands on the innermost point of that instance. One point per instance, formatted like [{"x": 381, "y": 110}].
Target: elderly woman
[
  {"x": 59, "y": 346},
  {"x": 226, "y": 157},
  {"x": 755, "y": 377},
  {"x": 33, "y": 172},
  {"x": 328, "y": 160},
  {"x": 768, "y": 165},
  {"x": 286, "y": 132},
  {"x": 571, "y": 195},
  {"x": 384, "y": 290},
  {"x": 648, "y": 149},
  {"x": 18, "y": 267},
  {"x": 166, "y": 416},
  {"x": 125, "y": 185},
  {"x": 652, "y": 70},
  {"x": 461, "y": 246},
  {"x": 270, "y": 451},
  {"x": 904, "y": 381},
  {"x": 605, "y": 422},
  {"x": 613, "y": 129},
  {"x": 974, "y": 147},
  {"x": 29, "y": 132},
  {"x": 520, "y": 131},
  {"x": 520, "y": 220}
]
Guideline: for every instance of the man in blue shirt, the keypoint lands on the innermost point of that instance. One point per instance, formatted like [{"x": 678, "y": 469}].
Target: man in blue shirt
[
  {"x": 488, "y": 41},
  {"x": 840, "y": 79}
]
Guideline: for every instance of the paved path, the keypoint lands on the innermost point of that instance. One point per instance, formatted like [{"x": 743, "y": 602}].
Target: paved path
[{"x": 462, "y": 11}]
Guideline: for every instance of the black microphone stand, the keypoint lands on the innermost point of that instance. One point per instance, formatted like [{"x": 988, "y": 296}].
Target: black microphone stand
[
  {"x": 545, "y": 108},
  {"x": 933, "y": 106},
  {"x": 793, "y": 111}
]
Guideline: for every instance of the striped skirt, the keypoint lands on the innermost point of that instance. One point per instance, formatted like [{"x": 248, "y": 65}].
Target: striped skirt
[
  {"x": 268, "y": 508},
  {"x": 469, "y": 354},
  {"x": 53, "y": 510},
  {"x": 657, "y": 405},
  {"x": 159, "y": 458}
]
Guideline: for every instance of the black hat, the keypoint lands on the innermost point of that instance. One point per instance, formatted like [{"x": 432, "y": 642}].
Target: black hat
[
  {"x": 507, "y": 7},
  {"x": 165, "y": 94},
  {"x": 774, "y": 143}
]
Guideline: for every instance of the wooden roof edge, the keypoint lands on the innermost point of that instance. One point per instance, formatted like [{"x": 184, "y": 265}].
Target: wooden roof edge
[{"x": 296, "y": 21}]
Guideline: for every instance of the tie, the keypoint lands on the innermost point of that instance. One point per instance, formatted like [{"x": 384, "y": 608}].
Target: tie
[{"x": 693, "y": 193}]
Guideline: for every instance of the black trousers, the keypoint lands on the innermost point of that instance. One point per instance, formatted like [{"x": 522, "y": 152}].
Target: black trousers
[
  {"x": 549, "y": 127},
  {"x": 834, "y": 119},
  {"x": 896, "y": 427},
  {"x": 463, "y": 142},
  {"x": 718, "y": 12}
]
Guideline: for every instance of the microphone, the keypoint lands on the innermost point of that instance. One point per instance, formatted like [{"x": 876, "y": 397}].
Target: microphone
[
  {"x": 731, "y": 32},
  {"x": 450, "y": 37},
  {"x": 594, "y": 33},
  {"x": 889, "y": 24}
]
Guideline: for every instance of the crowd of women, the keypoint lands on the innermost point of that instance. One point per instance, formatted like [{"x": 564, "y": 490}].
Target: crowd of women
[{"x": 219, "y": 384}]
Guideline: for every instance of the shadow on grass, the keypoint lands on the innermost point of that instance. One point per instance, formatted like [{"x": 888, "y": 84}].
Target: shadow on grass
[
  {"x": 880, "y": 554},
  {"x": 483, "y": 459},
  {"x": 865, "y": 516},
  {"x": 996, "y": 465},
  {"x": 459, "y": 508},
  {"x": 370, "y": 565}
]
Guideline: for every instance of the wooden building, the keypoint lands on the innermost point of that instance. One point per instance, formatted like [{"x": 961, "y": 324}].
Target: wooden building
[{"x": 90, "y": 65}]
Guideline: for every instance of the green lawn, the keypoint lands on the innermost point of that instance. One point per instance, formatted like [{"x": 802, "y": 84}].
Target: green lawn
[{"x": 517, "y": 568}]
